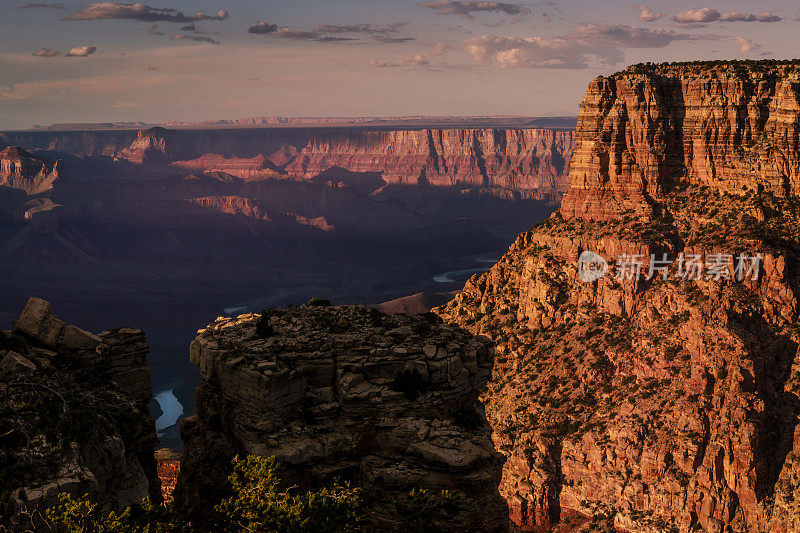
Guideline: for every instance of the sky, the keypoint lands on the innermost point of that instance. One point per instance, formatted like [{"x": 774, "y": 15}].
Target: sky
[{"x": 168, "y": 60}]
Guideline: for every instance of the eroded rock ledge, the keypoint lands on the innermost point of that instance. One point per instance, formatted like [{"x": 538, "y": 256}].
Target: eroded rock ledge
[
  {"x": 73, "y": 417},
  {"x": 389, "y": 401}
]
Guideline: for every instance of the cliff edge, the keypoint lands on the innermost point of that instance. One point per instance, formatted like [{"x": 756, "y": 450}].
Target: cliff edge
[
  {"x": 73, "y": 417},
  {"x": 647, "y": 369},
  {"x": 388, "y": 401}
]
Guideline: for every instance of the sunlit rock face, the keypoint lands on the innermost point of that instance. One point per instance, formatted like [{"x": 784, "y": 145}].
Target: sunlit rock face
[
  {"x": 663, "y": 402},
  {"x": 19, "y": 169},
  {"x": 387, "y": 401}
]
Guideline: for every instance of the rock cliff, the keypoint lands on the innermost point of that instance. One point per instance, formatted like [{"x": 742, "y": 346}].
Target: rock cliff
[
  {"x": 514, "y": 159},
  {"x": 73, "y": 417},
  {"x": 661, "y": 393},
  {"x": 22, "y": 170},
  {"x": 388, "y": 401},
  {"x": 519, "y": 159}
]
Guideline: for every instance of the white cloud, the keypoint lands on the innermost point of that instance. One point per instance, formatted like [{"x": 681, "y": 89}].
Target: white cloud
[
  {"x": 648, "y": 15},
  {"x": 747, "y": 46},
  {"x": 702, "y": 15},
  {"x": 601, "y": 41},
  {"x": 81, "y": 51},
  {"x": 698, "y": 15}
]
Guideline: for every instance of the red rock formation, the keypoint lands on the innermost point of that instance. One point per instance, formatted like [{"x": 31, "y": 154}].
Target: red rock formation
[
  {"x": 232, "y": 205},
  {"x": 517, "y": 159},
  {"x": 241, "y": 167},
  {"x": 389, "y": 401},
  {"x": 169, "y": 467},
  {"x": 19, "y": 169},
  {"x": 639, "y": 131},
  {"x": 653, "y": 404}
]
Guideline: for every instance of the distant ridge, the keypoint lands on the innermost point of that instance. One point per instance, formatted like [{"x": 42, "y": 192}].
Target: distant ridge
[{"x": 500, "y": 121}]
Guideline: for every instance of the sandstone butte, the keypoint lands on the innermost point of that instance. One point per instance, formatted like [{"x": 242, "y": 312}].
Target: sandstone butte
[
  {"x": 73, "y": 418},
  {"x": 660, "y": 405}
]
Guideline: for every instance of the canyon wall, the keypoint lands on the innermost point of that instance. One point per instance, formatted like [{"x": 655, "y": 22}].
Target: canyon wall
[
  {"x": 516, "y": 159},
  {"x": 734, "y": 129},
  {"x": 388, "y": 401},
  {"x": 643, "y": 395},
  {"x": 22, "y": 170},
  {"x": 520, "y": 159},
  {"x": 73, "y": 417}
]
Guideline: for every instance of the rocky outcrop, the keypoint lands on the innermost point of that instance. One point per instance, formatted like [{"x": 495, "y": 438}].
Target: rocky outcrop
[
  {"x": 515, "y": 159},
  {"x": 73, "y": 417},
  {"x": 19, "y": 169},
  {"x": 232, "y": 205},
  {"x": 732, "y": 128},
  {"x": 388, "y": 401},
  {"x": 665, "y": 400}
]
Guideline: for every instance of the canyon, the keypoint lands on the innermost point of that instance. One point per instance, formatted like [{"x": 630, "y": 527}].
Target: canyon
[
  {"x": 661, "y": 401},
  {"x": 639, "y": 396},
  {"x": 164, "y": 229}
]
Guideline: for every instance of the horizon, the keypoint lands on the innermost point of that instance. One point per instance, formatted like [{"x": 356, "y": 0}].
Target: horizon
[{"x": 123, "y": 62}]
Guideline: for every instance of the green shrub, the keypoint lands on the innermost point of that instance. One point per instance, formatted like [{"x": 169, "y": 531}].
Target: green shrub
[{"x": 425, "y": 511}]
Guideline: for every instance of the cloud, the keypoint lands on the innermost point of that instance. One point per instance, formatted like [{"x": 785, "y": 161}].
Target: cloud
[
  {"x": 263, "y": 28},
  {"x": 333, "y": 32},
  {"x": 648, "y": 15},
  {"x": 466, "y": 9},
  {"x": 150, "y": 67},
  {"x": 602, "y": 41},
  {"x": 360, "y": 28},
  {"x": 141, "y": 12},
  {"x": 441, "y": 49},
  {"x": 417, "y": 60},
  {"x": 196, "y": 38},
  {"x": 698, "y": 15},
  {"x": 81, "y": 51},
  {"x": 739, "y": 16},
  {"x": 747, "y": 46},
  {"x": 388, "y": 39},
  {"x": 45, "y": 52},
  {"x": 37, "y": 5},
  {"x": 153, "y": 30},
  {"x": 706, "y": 14}
]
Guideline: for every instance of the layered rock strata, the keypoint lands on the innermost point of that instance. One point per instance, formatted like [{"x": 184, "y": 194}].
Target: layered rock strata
[
  {"x": 515, "y": 159},
  {"x": 387, "y": 401},
  {"x": 73, "y": 417},
  {"x": 521, "y": 159},
  {"x": 19, "y": 169},
  {"x": 666, "y": 401}
]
